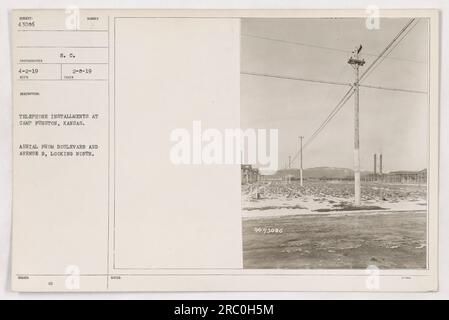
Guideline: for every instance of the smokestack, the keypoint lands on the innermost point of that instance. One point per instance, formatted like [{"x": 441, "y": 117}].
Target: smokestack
[
  {"x": 380, "y": 163},
  {"x": 375, "y": 164}
]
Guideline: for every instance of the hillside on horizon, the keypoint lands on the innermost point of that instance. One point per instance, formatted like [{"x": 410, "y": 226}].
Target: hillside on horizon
[{"x": 320, "y": 172}]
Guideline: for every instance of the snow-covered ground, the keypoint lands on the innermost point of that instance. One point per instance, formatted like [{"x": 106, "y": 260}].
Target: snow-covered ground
[{"x": 272, "y": 200}]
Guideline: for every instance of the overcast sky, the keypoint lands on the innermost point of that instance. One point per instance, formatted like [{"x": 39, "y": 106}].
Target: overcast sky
[{"x": 392, "y": 123}]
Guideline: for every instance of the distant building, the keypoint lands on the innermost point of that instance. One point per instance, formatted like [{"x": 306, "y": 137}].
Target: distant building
[
  {"x": 249, "y": 174},
  {"x": 406, "y": 177}
]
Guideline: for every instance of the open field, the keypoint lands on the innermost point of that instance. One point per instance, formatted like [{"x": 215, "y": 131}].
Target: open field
[
  {"x": 318, "y": 227},
  {"x": 338, "y": 241},
  {"x": 266, "y": 199}
]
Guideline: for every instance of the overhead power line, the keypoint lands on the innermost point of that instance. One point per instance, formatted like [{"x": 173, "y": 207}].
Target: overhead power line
[
  {"x": 309, "y": 45},
  {"x": 331, "y": 115},
  {"x": 392, "y": 45},
  {"x": 392, "y": 89},
  {"x": 295, "y": 78},
  {"x": 404, "y": 32},
  {"x": 350, "y": 92},
  {"x": 295, "y": 43},
  {"x": 338, "y": 83}
]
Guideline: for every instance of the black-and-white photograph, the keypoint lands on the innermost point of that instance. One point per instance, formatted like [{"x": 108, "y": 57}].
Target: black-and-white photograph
[
  {"x": 284, "y": 153},
  {"x": 350, "y": 100}
]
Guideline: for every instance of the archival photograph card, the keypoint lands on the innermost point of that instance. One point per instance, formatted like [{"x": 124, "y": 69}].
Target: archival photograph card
[{"x": 225, "y": 150}]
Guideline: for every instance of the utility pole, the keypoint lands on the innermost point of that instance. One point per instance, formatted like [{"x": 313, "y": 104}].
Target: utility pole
[
  {"x": 289, "y": 167},
  {"x": 300, "y": 168},
  {"x": 356, "y": 62}
]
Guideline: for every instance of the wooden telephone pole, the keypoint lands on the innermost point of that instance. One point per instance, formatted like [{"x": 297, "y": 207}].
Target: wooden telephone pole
[{"x": 356, "y": 62}]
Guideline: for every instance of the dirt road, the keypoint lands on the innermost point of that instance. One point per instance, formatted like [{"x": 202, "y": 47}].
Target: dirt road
[{"x": 355, "y": 241}]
